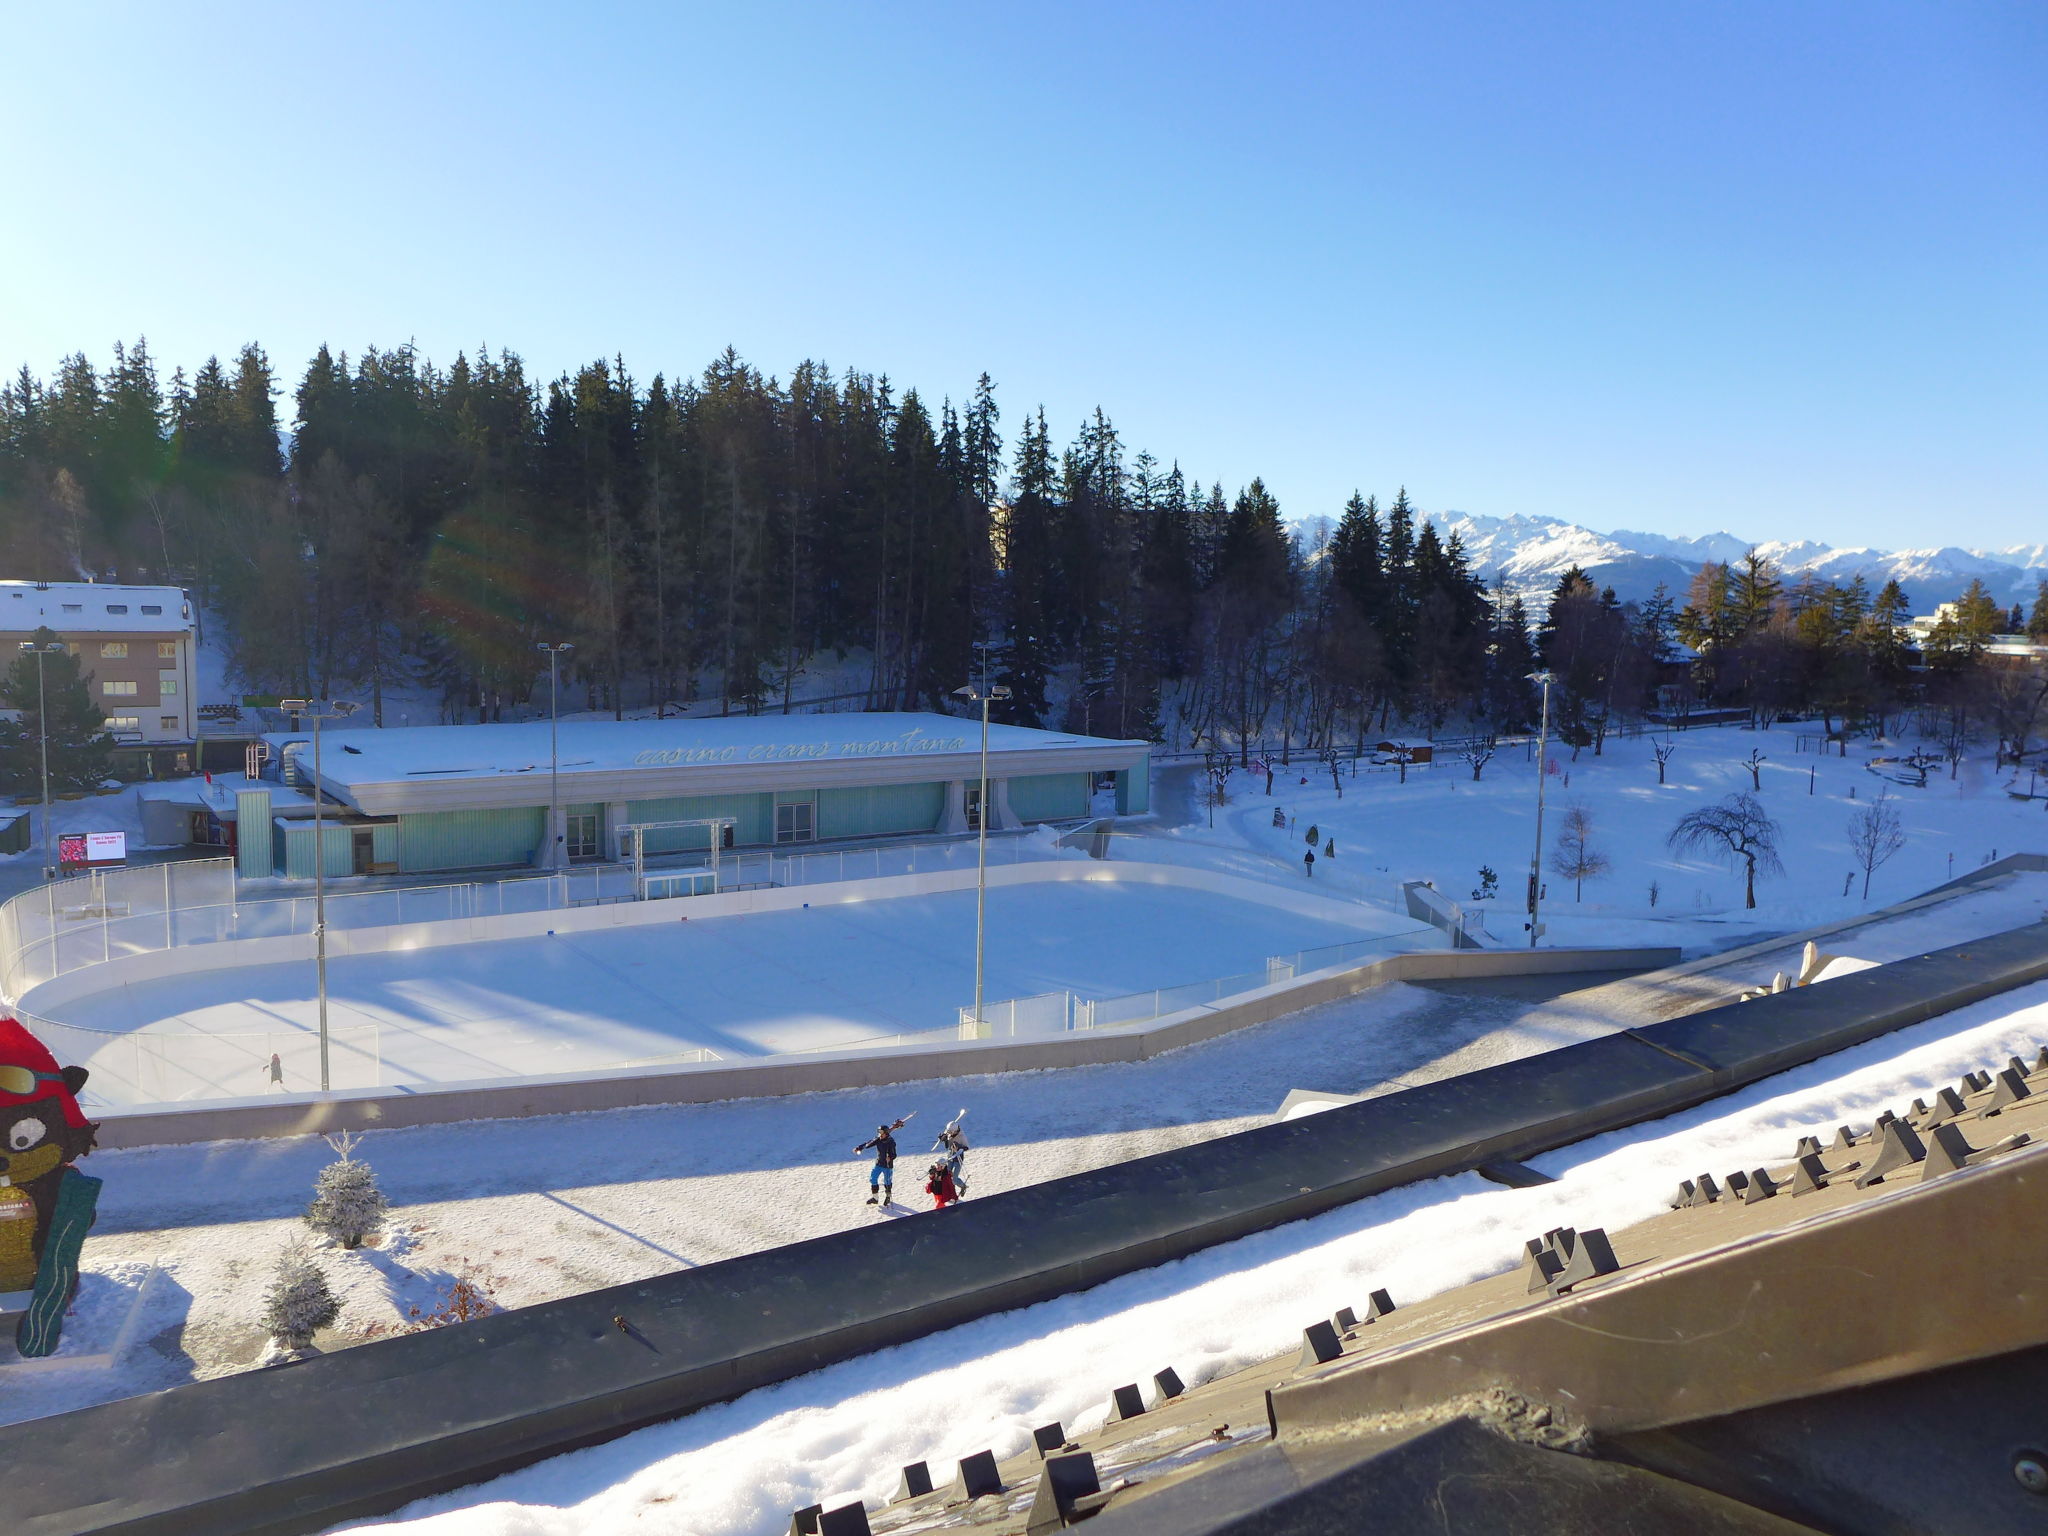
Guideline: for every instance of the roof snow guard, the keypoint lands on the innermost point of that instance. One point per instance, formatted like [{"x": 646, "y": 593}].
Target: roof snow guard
[{"x": 469, "y": 767}]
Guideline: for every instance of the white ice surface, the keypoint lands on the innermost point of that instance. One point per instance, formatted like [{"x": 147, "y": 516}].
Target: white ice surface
[
  {"x": 750, "y": 985},
  {"x": 739, "y": 1468}
]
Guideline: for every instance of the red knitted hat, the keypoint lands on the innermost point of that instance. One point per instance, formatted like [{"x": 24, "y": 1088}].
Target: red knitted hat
[{"x": 19, "y": 1048}]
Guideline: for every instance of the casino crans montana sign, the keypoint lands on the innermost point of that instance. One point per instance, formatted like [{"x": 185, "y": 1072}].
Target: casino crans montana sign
[{"x": 909, "y": 744}]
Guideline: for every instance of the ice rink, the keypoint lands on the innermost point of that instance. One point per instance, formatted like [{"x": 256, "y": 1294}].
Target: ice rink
[{"x": 742, "y": 986}]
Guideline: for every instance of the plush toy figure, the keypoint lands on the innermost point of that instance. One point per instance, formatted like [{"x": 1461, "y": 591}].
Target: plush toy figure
[{"x": 46, "y": 1205}]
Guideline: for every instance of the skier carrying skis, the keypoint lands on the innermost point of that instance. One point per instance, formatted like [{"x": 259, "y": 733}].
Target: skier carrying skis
[
  {"x": 939, "y": 1185},
  {"x": 882, "y": 1177},
  {"x": 952, "y": 1146}
]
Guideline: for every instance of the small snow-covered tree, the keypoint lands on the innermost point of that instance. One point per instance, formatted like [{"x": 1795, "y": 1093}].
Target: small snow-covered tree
[
  {"x": 1875, "y": 834},
  {"x": 347, "y": 1205},
  {"x": 1478, "y": 756},
  {"x": 1663, "y": 751},
  {"x": 1575, "y": 858},
  {"x": 1737, "y": 829},
  {"x": 298, "y": 1303}
]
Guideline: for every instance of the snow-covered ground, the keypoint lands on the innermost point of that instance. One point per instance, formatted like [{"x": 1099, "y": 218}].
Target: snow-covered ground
[
  {"x": 1442, "y": 826},
  {"x": 550, "y": 1206},
  {"x": 739, "y": 1468},
  {"x": 810, "y": 978}
]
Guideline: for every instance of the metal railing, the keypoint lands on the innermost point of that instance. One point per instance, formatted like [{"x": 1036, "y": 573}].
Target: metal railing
[
  {"x": 88, "y": 920},
  {"x": 1142, "y": 1007}
]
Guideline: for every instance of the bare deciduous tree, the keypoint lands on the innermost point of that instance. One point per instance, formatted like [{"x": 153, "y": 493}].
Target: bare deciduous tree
[
  {"x": 1575, "y": 858},
  {"x": 1875, "y": 834},
  {"x": 1755, "y": 764},
  {"x": 1735, "y": 829},
  {"x": 1663, "y": 749},
  {"x": 1478, "y": 757}
]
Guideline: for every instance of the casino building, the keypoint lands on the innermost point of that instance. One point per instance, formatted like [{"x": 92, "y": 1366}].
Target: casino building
[{"x": 426, "y": 799}]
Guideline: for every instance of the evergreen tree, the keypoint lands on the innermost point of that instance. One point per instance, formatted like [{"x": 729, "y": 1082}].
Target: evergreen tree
[
  {"x": 347, "y": 1205},
  {"x": 299, "y": 1302},
  {"x": 80, "y": 750}
]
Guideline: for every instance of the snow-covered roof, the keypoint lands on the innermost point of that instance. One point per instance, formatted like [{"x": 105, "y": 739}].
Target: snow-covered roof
[
  {"x": 218, "y": 795},
  {"x": 92, "y": 607},
  {"x": 446, "y": 766}
]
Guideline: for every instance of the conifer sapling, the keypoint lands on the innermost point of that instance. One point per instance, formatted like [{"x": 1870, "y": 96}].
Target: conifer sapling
[
  {"x": 347, "y": 1205},
  {"x": 298, "y": 1303}
]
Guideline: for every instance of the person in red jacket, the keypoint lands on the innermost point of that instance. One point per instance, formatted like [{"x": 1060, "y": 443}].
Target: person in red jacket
[{"x": 939, "y": 1185}]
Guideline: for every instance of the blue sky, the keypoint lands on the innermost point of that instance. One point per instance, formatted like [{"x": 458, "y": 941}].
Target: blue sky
[{"x": 1780, "y": 269}]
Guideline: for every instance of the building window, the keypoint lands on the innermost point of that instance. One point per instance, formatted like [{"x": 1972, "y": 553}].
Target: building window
[
  {"x": 124, "y": 722},
  {"x": 118, "y": 690},
  {"x": 167, "y": 686},
  {"x": 114, "y": 650},
  {"x": 153, "y": 608},
  {"x": 117, "y": 607},
  {"x": 794, "y": 822},
  {"x": 582, "y": 835},
  {"x": 166, "y": 650},
  {"x": 167, "y": 722},
  {"x": 74, "y": 607}
]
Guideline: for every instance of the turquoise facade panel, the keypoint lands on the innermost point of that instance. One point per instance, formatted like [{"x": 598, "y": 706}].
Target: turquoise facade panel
[
  {"x": 1051, "y": 796},
  {"x": 384, "y": 848},
  {"x": 753, "y": 816},
  {"x": 431, "y": 840},
  {"x": 255, "y": 853},
  {"x": 1134, "y": 790},
  {"x": 295, "y": 856},
  {"x": 880, "y": 810}
]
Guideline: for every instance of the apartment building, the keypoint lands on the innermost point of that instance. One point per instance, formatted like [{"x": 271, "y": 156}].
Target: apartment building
[{"x": 134, "y": 647}]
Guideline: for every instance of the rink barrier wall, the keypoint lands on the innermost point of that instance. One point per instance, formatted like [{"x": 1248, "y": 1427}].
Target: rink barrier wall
[
  {"x": 47, "y": 999},
  {"x": 825, "y": 1071},
  {"x": 365, "y": 1430}
]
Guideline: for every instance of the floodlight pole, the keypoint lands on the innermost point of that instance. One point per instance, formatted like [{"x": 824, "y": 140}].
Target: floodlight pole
[
  {"x": 43, "y": 744},
  {"x": 982, "y": 696},
  {"x": 335, "y": 710},
  {"x": 1542, "y": 777},
  {"x": 555, "y": 848}
]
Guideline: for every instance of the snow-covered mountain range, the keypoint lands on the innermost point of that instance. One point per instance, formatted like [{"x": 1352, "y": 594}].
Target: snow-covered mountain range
[{"x": 1534, "y": 551}]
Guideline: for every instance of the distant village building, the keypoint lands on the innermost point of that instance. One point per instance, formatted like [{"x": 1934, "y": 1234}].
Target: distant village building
[{"x": 135, "y": 650}]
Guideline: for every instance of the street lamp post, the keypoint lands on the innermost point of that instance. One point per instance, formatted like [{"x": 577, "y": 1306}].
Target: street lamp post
[
  {"x": 43, "y": 742},
  {"x": 306, "y": 709},
  {"x": 1542, "y": 777},
  {"x": 554, "y": 655},
  {"x": 981, "y": 696}
]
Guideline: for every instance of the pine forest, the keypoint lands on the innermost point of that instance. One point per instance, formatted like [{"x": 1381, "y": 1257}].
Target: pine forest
[{"x": 406, "y": 526}]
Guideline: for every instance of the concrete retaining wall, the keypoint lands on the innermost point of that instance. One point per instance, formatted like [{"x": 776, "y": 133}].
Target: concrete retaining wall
[{"x": 365, "y": 1430}]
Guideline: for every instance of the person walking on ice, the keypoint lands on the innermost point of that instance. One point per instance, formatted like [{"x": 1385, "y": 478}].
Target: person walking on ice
[
  {"x": 952, "y": 1146},
  {"x": 882, "y": 1177}
]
